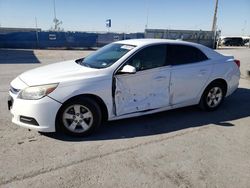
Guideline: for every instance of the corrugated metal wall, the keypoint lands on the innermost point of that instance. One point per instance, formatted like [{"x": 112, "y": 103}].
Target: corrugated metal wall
[
  {"x": 18, "y": 40},
  {"x": 197, "y": 36},
  {"x": 66, "y": 40}
]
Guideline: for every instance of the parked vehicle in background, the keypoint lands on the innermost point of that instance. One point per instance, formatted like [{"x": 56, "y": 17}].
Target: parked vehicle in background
[
  {"x": 246, "y": 42},
  {"x": 232, "y": 41},
  {"x": 121, "y": 80}
]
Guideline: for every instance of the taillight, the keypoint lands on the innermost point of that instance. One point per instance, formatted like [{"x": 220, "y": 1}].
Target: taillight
[{"x": 237, "y": 62}]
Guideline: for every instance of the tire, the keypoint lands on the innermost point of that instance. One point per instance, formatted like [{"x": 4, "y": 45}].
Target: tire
[
  {"x": 79, "y": 117},
  {"x": 212, "y": 97}
]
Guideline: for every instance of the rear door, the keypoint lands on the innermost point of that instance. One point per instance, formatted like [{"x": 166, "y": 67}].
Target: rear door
[{"x": 190, "y": 71}]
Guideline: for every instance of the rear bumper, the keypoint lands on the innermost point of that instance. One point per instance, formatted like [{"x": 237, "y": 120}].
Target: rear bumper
[{"x": 233, "y": 82}]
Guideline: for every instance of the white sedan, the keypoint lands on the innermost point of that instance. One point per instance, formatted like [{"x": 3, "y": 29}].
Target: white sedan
[{"x": 121, "y": 80}]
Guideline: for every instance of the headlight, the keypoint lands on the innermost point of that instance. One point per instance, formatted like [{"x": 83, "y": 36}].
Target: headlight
[{"x": 37, "y": 92}]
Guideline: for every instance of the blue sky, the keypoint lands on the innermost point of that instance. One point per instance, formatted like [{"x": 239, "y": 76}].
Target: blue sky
[{"x": 129, "y": 15}]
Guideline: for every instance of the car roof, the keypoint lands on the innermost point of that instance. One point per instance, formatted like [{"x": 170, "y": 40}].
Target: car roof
[{"x": 144, "y": 42}]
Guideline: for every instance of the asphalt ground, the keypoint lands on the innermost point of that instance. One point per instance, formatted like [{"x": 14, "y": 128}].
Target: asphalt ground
[{"x": 179, "y": 148}]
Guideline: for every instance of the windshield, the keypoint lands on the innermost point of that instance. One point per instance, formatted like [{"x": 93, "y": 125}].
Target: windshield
[{"x": 106, "y": 56}]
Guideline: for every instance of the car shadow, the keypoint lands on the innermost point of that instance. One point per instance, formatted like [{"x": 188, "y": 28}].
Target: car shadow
[
  {"x": 233, "y": 108},
  {"x": 18, "y": 56}
]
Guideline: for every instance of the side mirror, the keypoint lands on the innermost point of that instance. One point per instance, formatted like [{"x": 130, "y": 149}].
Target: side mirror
[{"x": 128, "y": 69}]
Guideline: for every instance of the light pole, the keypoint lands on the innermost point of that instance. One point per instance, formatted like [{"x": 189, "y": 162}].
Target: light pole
[
  {"x": 55, "y": 20},
  {"x": 37, "y": 40}
]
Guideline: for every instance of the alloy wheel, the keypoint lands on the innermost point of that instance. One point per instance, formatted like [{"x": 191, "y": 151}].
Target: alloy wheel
[
  {"x": 214, "y": 97},
  {"x": 77, "y": 118}
]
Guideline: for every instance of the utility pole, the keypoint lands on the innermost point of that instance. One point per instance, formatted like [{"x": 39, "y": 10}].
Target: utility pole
[
  {"x": 215, "y": 17},
  {"x": 214, "y": 26}
]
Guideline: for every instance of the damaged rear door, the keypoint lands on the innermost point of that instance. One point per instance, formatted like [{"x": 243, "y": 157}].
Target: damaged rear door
[
  {"x": 190, "y": 71},
  {"x": 148, "y": 88}
]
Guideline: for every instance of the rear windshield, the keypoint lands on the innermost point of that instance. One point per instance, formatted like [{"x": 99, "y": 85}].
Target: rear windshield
[{"x": 106, "y": 56}]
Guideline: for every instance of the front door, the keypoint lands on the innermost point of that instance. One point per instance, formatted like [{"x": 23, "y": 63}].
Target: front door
[{"x": 148, "y": 88}]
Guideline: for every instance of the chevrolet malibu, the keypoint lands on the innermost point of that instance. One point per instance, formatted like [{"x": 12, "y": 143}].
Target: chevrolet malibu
[{"x": 121, "y": 80}]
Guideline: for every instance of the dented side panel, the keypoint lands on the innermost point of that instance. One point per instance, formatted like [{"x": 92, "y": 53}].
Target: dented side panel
[
  {"x": 187, "y": 81},
  {"x": 145, "y": 90}
]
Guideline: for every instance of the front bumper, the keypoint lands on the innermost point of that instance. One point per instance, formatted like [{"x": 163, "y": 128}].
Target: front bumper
[{"x": 43, "y": 111}]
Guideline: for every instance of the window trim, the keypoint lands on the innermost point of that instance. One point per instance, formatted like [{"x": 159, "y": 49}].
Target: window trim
[{"x": 139, "y": 50}]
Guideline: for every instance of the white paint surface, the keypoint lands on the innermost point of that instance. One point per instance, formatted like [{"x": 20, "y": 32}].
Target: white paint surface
[{"x": 156, "y": 89}]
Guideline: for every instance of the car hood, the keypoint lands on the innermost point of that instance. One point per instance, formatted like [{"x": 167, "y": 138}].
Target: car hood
[{"x": 58, "y": 72}]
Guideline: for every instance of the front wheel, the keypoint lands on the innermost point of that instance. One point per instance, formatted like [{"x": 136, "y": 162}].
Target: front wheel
[
  {"x": 79, "y": 117},
  {"x": 212, "y": 97}
]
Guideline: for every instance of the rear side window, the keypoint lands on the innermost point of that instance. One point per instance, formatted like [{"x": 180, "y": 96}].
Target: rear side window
[{"x": 182, "y": 54}]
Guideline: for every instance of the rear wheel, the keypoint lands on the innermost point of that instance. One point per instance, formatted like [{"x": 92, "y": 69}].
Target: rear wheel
[
  {"x": 79, "y": 117},
  {"x": 212, "y": 97}
]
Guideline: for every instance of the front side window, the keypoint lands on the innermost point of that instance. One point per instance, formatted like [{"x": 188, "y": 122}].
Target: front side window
[
  {"x": 149, "y": 57},
  {"x": 106, "y": 56},
  {"x": 183, "y": 54}
]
